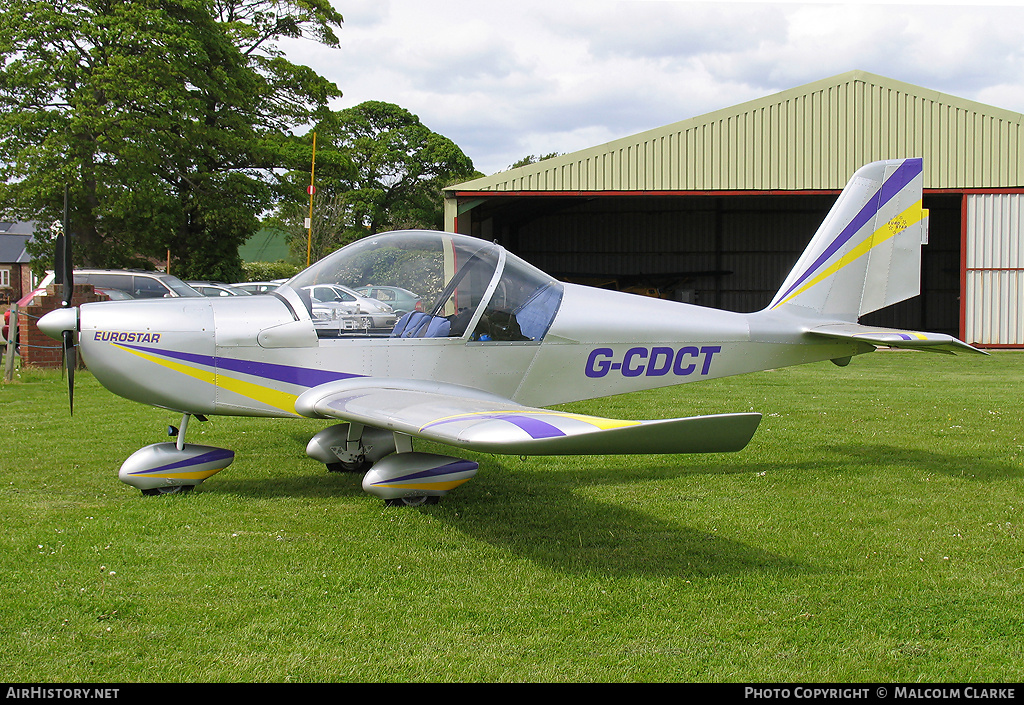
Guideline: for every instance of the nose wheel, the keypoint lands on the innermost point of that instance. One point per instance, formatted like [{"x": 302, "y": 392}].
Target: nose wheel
[
  {"x": 173, "y": 468},
  {"x": 420, "y": 501},
  {"x": 173, "y": 489}
]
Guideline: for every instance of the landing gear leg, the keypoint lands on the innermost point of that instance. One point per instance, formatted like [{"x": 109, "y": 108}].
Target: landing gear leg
[{"x": 350, "y": 447}]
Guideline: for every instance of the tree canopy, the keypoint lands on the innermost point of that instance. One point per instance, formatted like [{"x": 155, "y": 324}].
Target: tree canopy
[
  {"x": 377, "y": 168},
  {"x": 166, "y": 118}
]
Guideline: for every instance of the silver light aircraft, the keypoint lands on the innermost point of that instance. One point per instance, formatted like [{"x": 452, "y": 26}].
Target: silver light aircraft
[{"x": 501, "y": 342}]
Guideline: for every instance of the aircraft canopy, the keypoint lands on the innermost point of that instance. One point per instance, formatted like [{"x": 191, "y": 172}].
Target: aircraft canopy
[{"x": 438, "y": 285}]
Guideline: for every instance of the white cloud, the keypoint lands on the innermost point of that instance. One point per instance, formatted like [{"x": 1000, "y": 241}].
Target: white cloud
[{"x": 506, "y": 79}]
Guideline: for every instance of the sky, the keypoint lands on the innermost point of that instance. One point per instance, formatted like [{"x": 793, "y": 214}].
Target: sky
[{"x": 504, "y": 80}]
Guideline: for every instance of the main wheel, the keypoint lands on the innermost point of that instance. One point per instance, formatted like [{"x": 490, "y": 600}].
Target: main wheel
[
  {"x": 170, "y": 489},
  {"x": 419, "y": 501},
  {"x": 361, "y": 465}
]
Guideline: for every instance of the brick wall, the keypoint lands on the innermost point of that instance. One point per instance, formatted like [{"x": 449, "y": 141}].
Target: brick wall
[{"x": 37, "y": 349}]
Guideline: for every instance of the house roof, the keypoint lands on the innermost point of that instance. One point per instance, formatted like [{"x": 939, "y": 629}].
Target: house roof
[
  {"x": 13, "y": 237},
  {"x": 12, "y": 249}
]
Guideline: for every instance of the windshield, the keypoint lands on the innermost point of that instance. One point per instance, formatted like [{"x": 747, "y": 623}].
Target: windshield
[
  {"x": 522, "y": 305},
  {"x": 427, "y": 284}
]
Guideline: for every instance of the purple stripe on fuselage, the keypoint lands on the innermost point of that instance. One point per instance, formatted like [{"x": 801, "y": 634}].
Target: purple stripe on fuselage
[
  {"x": 893, "y": 185},
  {"x": 266, "y": 370}
]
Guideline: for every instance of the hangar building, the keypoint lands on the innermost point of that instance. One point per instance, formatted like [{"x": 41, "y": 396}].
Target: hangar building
[{"x": 715, "y": 210}]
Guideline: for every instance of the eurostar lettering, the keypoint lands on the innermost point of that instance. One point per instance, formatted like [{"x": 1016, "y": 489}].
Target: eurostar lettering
[
  {"x": 115, "y": 337},
  {"x": 653, "y": 362}
]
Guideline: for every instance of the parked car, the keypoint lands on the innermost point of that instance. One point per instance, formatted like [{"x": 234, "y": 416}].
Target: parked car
[
  {"x": 342, "y": 301},
  {"x": 258, "y": 287},
  {"x": 401, "y": 300},
  {"x": 331, "y": 319},
  {"x": 26, "y": 301},
  {"x": 139, "y": 284},
  {"x": 207, "y": 288}
]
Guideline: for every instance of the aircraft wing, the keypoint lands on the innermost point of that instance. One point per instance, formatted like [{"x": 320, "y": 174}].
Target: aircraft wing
[
  {"x": 467, "y": 418},
  {"x": 894, "y": 338}
]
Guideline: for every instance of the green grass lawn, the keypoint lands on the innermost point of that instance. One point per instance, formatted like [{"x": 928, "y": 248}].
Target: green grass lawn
[{"x": 870, "y": 532}]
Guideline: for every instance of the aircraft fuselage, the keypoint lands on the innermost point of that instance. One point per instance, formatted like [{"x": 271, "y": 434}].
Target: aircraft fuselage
[{"x": 255, "y": 355}]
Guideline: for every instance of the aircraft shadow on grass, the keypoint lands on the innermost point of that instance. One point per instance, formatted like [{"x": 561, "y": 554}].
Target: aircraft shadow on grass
[
  {"x": 549, "y": 518},
  {"x": 546, "y": 518},
  {"x": 950, "y": 464}
]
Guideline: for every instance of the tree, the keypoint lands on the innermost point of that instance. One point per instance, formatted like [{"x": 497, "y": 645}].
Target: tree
[
  {"x": 388, "y": 173},
  {"x": 167, "y": 119},
  {"x": 533, "y": 159}
]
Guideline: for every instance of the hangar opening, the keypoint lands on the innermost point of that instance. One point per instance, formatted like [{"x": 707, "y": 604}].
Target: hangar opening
[{"x": 724, "y": 251}]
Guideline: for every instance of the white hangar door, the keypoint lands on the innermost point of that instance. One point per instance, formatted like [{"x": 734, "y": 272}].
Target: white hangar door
[{"x": 994, "y": 269}]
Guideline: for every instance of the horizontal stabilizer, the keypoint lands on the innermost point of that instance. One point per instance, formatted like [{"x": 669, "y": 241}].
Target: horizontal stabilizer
[
  {"x": 465, "y": 418},
  {"x": 893, "y": 338}
]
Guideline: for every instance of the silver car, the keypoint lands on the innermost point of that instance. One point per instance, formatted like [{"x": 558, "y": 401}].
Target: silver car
[
  {"x": 139, "y": 284},
  {"x": 258, "y": 287},
  {"x": 332, "y": 319},
  {"x": 208, "y": 288},
  {"x": 338, "y": 307}
]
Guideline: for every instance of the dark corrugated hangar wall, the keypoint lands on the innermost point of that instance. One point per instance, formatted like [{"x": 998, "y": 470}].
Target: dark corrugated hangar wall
[{"x": 724, "y": 251}]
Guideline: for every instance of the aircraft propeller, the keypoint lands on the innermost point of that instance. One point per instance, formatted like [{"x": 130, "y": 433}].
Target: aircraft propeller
[{"x": 64, "y": 275}]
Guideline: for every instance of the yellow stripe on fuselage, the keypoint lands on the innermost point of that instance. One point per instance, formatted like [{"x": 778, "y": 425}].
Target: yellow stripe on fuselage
[{"x": 266, "y": 395}]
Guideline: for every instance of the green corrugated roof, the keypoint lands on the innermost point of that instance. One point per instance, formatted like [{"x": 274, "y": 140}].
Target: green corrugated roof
[{"x": 810, "y": 137}]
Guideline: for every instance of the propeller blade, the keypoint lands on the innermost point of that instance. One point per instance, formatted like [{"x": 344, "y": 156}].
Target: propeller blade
[
  {"x": 70, "y": 363},
  {"x": 58, "y": 259},
  {"x": 66, "y": 270},
  {"x": 64, "y": 274},
  {"x": 69, "y": 277}
]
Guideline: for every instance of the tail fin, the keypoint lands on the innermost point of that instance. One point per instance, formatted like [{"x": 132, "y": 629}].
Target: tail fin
[{"x": 867, "y": 253}]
